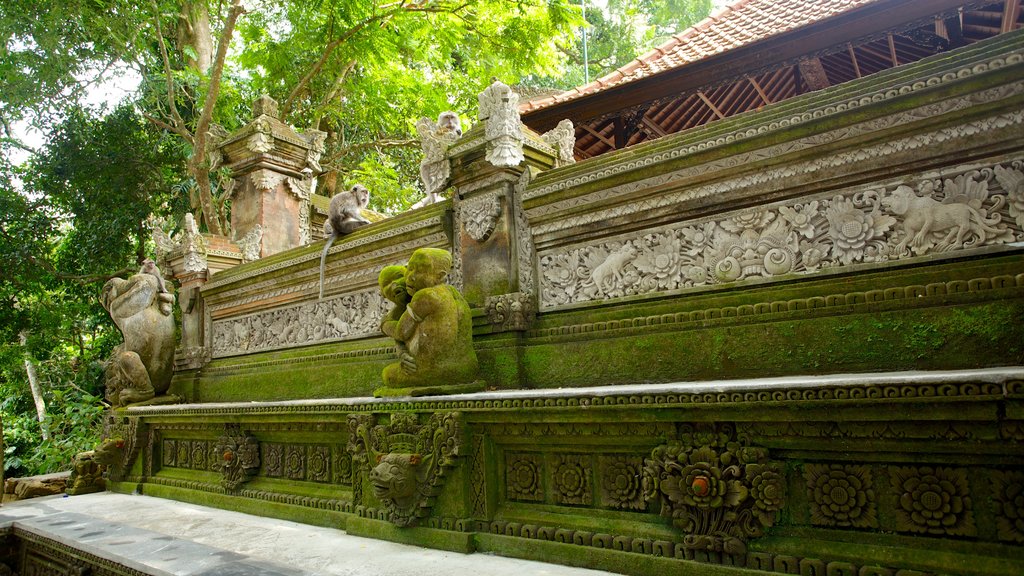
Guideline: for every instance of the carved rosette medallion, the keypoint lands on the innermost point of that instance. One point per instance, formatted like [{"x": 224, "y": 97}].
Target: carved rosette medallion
[
  {"x": 523, "y": 477},
  {"x": 508, "y": 312},
  {"x": 572, "y": 473},
  {"x": 480, "y": 216},
  {"x": 932, "y": 500},
  {"x": 236, "y": 455},
  {"x": 717, "y": 489},
  {"x": 1008, "y": 505},
  {"x": 841, "y": 495},
  {"x": 406, "y": 462},
  {"x": 621, "y": 482}
]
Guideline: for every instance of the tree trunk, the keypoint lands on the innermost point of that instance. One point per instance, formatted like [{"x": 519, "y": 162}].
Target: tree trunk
[
  {"x": 37, "y": 391},
  {"x": 194, "y": 32}
]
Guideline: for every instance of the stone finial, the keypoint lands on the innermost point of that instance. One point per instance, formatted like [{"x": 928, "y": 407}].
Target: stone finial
[
  {"x": 264, "y": 105},
  {"x": 499, "y": 110}
]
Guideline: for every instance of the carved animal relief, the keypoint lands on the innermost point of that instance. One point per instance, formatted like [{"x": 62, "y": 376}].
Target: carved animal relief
[
  {"x": 405, "y": 461},
  {"x": 979, "y": 207},
  {"x": 716, "y": 488}
]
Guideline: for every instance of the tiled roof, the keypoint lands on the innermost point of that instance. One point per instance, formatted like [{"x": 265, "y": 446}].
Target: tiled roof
[{"x": 740, "y": 23}]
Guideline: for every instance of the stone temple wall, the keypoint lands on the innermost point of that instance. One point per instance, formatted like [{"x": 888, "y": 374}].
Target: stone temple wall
[{"x": 788, "y": 342}]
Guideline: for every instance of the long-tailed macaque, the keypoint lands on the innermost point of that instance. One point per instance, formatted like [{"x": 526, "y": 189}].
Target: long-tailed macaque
[
  {"x": 150, "y": 267},
  {"x": 343, "y": 217}
]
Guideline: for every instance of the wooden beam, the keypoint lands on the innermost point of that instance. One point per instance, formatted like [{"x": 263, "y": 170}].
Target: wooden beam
[
  {"x": 710, "y": 105},
  {"x": 1011, "y": 13},
  {"x": 814, "y": 74},
  {"x": 650, "y": 125},
  {"x": 892, "y": 51},
  {"x": 760, "y": 91},
  {"x": 596, "y": 134},
  {"x": 853, "y": 59}
]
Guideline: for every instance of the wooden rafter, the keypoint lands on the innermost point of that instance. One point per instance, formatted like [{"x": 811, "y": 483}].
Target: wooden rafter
[
  {"x": 710, "y": 105},
  {"x": 650, "y": 125},
  {"x": 1011, "y": 13},
  {"x": 760, "y": 91},
  {"x": 892, "y": 51},
  {"x": 597, "y": 135},
  {"x": 853, "y": 59}
]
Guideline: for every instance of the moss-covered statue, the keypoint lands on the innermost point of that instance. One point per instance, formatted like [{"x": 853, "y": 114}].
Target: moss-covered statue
[
  {"x": 87, "y": 468},
  {"x": 433, "y": 331},
  {"x": 140, "y": 369}
]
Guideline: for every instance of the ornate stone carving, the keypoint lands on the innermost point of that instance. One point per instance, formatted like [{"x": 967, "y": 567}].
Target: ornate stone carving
[
  {"x": 508, "y": 312},
  {"x": 571, "y": 478},
  {"x": 563, "y": 139},
  {"x": 236, "y": 455},
  {"x": 316, "y": 140},
  {"x": 139, "y": 369},
  {"x": 406, "y": 461},
  {"x": 265, "y": 179},
  {"x": 719, "y": 491},
  {"x": 932, "y": 500},
  {"x": 273, "y": 460},
  {"x": 841, "y": 495},
  {"x": 526, "y": 254},
  {"x": 621, "y": 482},
  {"x": 1012, "y": 180},
  {"x": 215, "y": 136},
  {"x": 523, "y": 476},
  {"x": 349, "y": 316},
  {"x": 262, "y": 138},
  {"x": 499, "y": 109},
  {"x": 251, "y": 244},
  {"x": 480, "y": 216},
  {"x": 875, "y": 225},
  {"x": 303, "y": 189},
  {"x": 1008, "y": 504}
]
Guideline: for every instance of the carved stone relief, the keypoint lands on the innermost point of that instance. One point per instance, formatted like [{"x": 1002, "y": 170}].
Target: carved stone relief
[
  {"x": 251, "y": 244},
  {"x": 435, "y": 168},
  {"x": 354, "y": 315},
  {"x": 932, "y": 500},
  {"x": 315, "y": 139},
  {"x": 621, "y": 482},
  {"x": 480, "y": 216},
  {"x": 303, "y": 189},
  {"x": 563, "y": 139},
  {"x": 1008, "y": 505},
  {"x": 572, "y": 475},
  {"x": 499, "y": 109},
  {"x": 874, "y": 225},
  {"x": 236, "y": 455},
  {"x": 508, "y": 312},
  {"x": 406, "y": 462},
  {"x": 841, "y": 495},
  {"x": 524, "y": 473},
  {"x": 526, "y": 254},
  {"x": 718, "y": 490}
]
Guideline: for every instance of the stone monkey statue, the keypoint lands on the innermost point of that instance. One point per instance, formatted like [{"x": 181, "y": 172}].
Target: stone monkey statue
[{"x": 343, "y": 217}]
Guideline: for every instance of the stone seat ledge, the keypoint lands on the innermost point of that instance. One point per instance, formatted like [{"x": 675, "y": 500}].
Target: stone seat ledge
[
  {"x": 1000, "y": 375},
  {"x": 163, "y": 537}
]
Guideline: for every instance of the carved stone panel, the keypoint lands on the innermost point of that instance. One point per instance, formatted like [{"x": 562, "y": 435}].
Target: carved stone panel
[
  {"x": 841, "y": 495},
  {"x": 236, "y": 455},
  {"x": 524, "y": 476},
  {"x": 932, "y": 500}
]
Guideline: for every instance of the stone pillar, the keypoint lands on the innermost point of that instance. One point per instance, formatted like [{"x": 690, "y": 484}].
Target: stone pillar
[
  {"x": 491, "y": 166},
  {"x": 273, "y": 168}
]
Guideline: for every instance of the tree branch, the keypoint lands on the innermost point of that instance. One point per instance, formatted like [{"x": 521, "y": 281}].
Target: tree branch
[
  {"x": 167, "y": 73},
  {"x": 165, "y": 126}
]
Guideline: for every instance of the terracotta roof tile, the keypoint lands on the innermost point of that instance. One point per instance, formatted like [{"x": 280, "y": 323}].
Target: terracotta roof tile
[{"x": 742, "y": 22}]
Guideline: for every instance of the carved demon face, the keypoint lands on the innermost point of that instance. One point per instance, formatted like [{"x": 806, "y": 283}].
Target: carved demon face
[
  {"x": 109, "y": 452},
  {"x": 394, "y": 477}
]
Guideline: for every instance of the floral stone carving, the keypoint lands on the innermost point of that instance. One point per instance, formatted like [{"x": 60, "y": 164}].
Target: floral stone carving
[
  {"x": 841, "y": 495},
  {"x": 236, "y": 455},
  {"x": 523, "y": 477},
  {"x": 406, "y": 461},
  {"x": 621, "y": 482},
  {"x": 434, "y": 334},
  {"x": 139, "y": 369},
  {"x": 1008, "y": 505},
  {"x": 480, "y": 216},
  {"x": 932, "y": 500},
  {"x": 717, "y": 490}
]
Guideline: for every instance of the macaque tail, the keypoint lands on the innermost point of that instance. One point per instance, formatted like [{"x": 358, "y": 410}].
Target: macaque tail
[{"x": 323, "y": 262}]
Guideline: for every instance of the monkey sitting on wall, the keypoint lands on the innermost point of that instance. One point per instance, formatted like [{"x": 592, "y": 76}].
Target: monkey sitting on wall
[{"x": 343, "y": 217}]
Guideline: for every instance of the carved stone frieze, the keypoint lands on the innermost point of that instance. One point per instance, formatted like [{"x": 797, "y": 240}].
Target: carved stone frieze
[
  {"x": 524, "y": 472},
  {"x": 944, "y": 214},
  {"x": 265, "y": 179},
  {"x": 236, "y": 455},
  {"x": 621, "y": 482},
  {"x": 510, "y": 312},
  {"x": 499, "y": 110},
  {"x": 406, "y": 462},
  {"x": 841, "y": 495},
  {"x": 718, "y": 490},
  {"x": 563, "y": 139},
  {"x": 932, "y": 500},
  {"x": 571, "y": 477},
  {"x": 353, "y": 315},
  {"x": 1008, "y": 504},
  {"x": 480, "y": 216}
]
